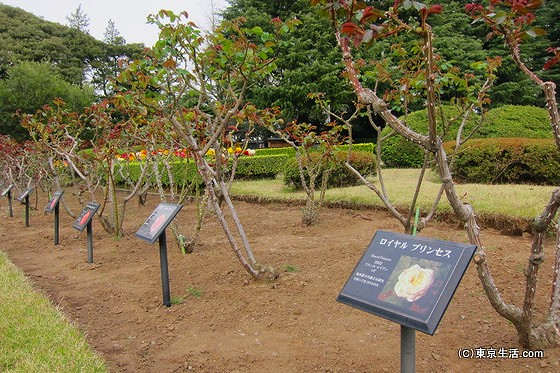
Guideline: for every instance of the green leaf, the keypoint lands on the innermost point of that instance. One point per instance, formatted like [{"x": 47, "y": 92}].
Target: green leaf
[{"x": 536, "y": 31}]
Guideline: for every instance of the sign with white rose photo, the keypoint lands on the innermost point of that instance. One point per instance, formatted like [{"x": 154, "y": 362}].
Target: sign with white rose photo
[{"x": 407, "y": 279}]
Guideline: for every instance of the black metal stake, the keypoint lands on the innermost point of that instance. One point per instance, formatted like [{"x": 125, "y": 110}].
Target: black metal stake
[
  {"x": 27, "y": 211},
  {"x": 164, "y": 269},
  {"x": 10, "y": 203},
  {"x": 408, "y": 349},
  {"x": 56, "y": 224},
  {"x": 89, "y": 242}
]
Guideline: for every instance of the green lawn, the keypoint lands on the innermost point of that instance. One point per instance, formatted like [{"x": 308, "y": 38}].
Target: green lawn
[
  {"x": 34, "y": 336},
  {"x": 524, "y": 201}
]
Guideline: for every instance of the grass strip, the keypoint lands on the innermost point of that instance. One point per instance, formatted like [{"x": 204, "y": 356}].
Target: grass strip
[
  {"x": 34, "y": 335},
  {"x": 514, "y": 201}
]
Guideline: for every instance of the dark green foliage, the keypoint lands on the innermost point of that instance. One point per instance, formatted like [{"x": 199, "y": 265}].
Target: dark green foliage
[
  {"x": 41, "y": 61},
  {"x": 26, "y": 37},
  {"x": 507, "y": 160},
  {"x": 399, "y": 153},
  {"x": 308, "y": 61},
  {"x": 516, "y": 121},
  {"x": 340, "y": 175}
]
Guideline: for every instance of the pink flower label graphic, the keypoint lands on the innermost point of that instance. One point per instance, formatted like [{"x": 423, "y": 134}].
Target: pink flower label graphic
[
  {"x": 157, "y": 223},
  {"x": 85, "y": 218}
]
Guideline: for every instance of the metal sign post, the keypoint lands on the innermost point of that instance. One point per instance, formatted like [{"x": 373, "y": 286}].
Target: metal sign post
[
  {"x": 21, "y": 198},
  {"x": 89, "y": 230},
  {"x": 408, "y": 349},
  {"x": 84, "y": 221},
  {"x": 54, "y": 206},
  {"x": 27, "y": 211},
  {"x": 10, "y": 204},
  {"x": 56, "y": 224},
  {"x": 164, "y": 270},
  {"x": 8, "y": 193},
  {"x": 154, "y": 229}
]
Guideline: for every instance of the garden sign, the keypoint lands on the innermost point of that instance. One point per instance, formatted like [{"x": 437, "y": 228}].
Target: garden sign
[
  {"x": 84, "y": 220},
  {"x": 407, "y": 279},
  {"x": 154, "y": 229},
  {"x": 8, "y": 192},
  {"x": 24, "y": 198},
  {"x": 53, "y": 205}
]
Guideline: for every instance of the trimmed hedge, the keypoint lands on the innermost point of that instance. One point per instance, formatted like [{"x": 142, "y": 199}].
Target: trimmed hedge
[
  {"x": 287, "y": 150},
  {"x": 507, "y": 160},
  {"x": 263, "y": 166},
  {"x": 266, "y": 163},
  {"x": 516, "y": 121},
  {"x": 184, "y": 172},
  {"x": 340, "y": 176},
  {"x": 505, "y": 121},
  {"x": 400, "y": 153}
]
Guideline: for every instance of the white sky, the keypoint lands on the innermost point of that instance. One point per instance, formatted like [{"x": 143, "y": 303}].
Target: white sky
[{"x": 129, "y": 16}]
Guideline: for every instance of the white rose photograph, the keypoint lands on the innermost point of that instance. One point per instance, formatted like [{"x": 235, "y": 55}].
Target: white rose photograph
[{"x": 415, "y": 284}]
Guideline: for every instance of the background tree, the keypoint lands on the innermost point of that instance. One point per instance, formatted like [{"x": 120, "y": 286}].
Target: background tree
[
  {"x": 28, "y": 86},
  {"x": 25, "y": 37},
  {"x": 113, "y": 59},
  {"x": 79, "y": 20},
  {"x": 307, "y": 63},
  {"x": 56, "y": 61}
]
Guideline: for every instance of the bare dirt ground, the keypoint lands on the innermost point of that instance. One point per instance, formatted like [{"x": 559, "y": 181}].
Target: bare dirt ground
[{"x": 293, "y": 324}]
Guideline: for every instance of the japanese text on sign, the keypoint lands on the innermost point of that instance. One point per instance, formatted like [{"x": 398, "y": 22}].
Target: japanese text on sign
[{"x": 417, "y": 248}]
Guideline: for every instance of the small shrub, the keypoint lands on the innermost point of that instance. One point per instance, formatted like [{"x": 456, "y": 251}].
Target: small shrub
[
  {"x": 195, "y": 292},
  {"x": 340, "y": 176},
  {"x": 507, "y": 160}
]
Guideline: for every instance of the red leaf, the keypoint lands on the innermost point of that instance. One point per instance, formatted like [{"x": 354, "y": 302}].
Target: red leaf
[
  {"x": 349, "y": 28},
  {"x": 435, "y": 9}
]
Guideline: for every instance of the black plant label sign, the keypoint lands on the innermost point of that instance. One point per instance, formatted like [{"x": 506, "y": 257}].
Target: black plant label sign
[
  {"x": 25, "y": 194},
  {"x": 7, "y": 190},
  {"x": 156, "y": 223},
  {"x": 85, "y": 216},
  {"x": 407, "y": 279},
  {"x": 54, "y": 201}
]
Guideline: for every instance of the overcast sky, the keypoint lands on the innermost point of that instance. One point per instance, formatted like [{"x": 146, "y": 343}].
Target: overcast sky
[{"x": 129, "y": 16}]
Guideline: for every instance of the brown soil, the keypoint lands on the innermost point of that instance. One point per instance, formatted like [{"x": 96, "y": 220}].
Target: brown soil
[{"x": 293, "y": 324}]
